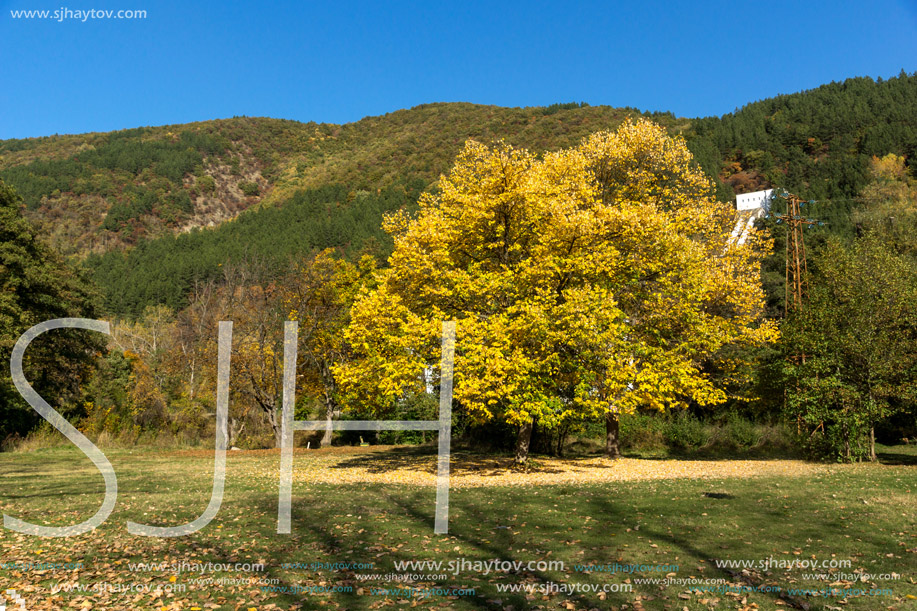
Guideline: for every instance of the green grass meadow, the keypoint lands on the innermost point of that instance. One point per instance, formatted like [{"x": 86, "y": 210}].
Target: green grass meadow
[{"x": 863, "y": 513}]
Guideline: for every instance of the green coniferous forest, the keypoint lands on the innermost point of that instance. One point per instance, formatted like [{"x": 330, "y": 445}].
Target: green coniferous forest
[{"x": 161, "y": 271}]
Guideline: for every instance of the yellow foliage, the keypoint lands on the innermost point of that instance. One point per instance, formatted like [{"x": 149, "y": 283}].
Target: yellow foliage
[
  {"x": 593, "y": 280},
  {"x": 889, "y": 167}
]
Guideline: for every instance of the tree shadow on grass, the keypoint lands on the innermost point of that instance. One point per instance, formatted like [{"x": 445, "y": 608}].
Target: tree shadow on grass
[
  {"x": 689, "y": 545},
  {"x": 317, "y": 536},
  {"x": 400, "y": 528},
  {"x": 424, "y": 458},
  {"x": 501, "y": 548},
  {"x": 897, "y": 458}
]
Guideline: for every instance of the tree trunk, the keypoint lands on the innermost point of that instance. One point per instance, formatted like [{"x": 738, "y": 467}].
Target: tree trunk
[
  {"x": 612, "y": 437},
  {"x": 846, "y": 444},
  {"x": 872, "y": 444},
  {"x": 523, "y": 440},
  {"x": 330, "y": 403},
  {"x": 234, "y": 430},
  {"x": 275, "y": 426},
  {"x": 191, "y": 383},
  {"x": 329, "y": 414}
]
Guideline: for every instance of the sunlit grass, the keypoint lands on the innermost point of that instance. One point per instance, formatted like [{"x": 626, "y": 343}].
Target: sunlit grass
[{"x": 863, "y": 513}]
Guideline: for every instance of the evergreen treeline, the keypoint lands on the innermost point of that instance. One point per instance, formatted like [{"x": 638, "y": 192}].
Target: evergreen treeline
[
  {"x": 162, "y": 271},
  {"x": 124, "y": 155},
  {"x": 816, "y": 143}
]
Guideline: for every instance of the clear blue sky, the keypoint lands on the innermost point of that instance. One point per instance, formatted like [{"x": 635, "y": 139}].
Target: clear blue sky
[{"x": 340, "y": 61}]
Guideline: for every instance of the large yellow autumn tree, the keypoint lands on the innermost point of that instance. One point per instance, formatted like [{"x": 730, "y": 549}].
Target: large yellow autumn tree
[{"x": 585, "y": 284}]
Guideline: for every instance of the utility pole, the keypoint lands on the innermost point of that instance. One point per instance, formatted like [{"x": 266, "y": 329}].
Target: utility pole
[
  {"x": 797, "y": 271},
  {"x": 797, "y": 282}
]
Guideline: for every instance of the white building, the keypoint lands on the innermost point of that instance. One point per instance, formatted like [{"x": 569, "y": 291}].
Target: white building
[
  {"x": 754, "y": 201},
  {"x": 750, "y": 206}
]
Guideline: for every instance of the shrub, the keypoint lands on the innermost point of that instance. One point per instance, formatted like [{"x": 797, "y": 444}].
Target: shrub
[
  {"x": 207, "y": 184},
  {"x": 643, "y": 432},
  {"x": 249, "y": 189},
  {"x": 741, "y": 433},
  {"x": 685, "y": 432}
]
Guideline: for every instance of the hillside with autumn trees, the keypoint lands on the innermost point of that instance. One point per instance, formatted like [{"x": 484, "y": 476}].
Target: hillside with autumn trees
[{"x": 170, "y": 229}]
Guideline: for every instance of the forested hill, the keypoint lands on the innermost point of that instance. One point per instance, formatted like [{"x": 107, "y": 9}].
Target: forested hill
[
  {"x": 817, "y": 143},
  {"x": 125, "y": 195},
  {"x": 98, "y": 192}
]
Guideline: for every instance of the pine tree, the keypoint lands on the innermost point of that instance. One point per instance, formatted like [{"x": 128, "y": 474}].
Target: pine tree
[{"x": 36, "y": 285}]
